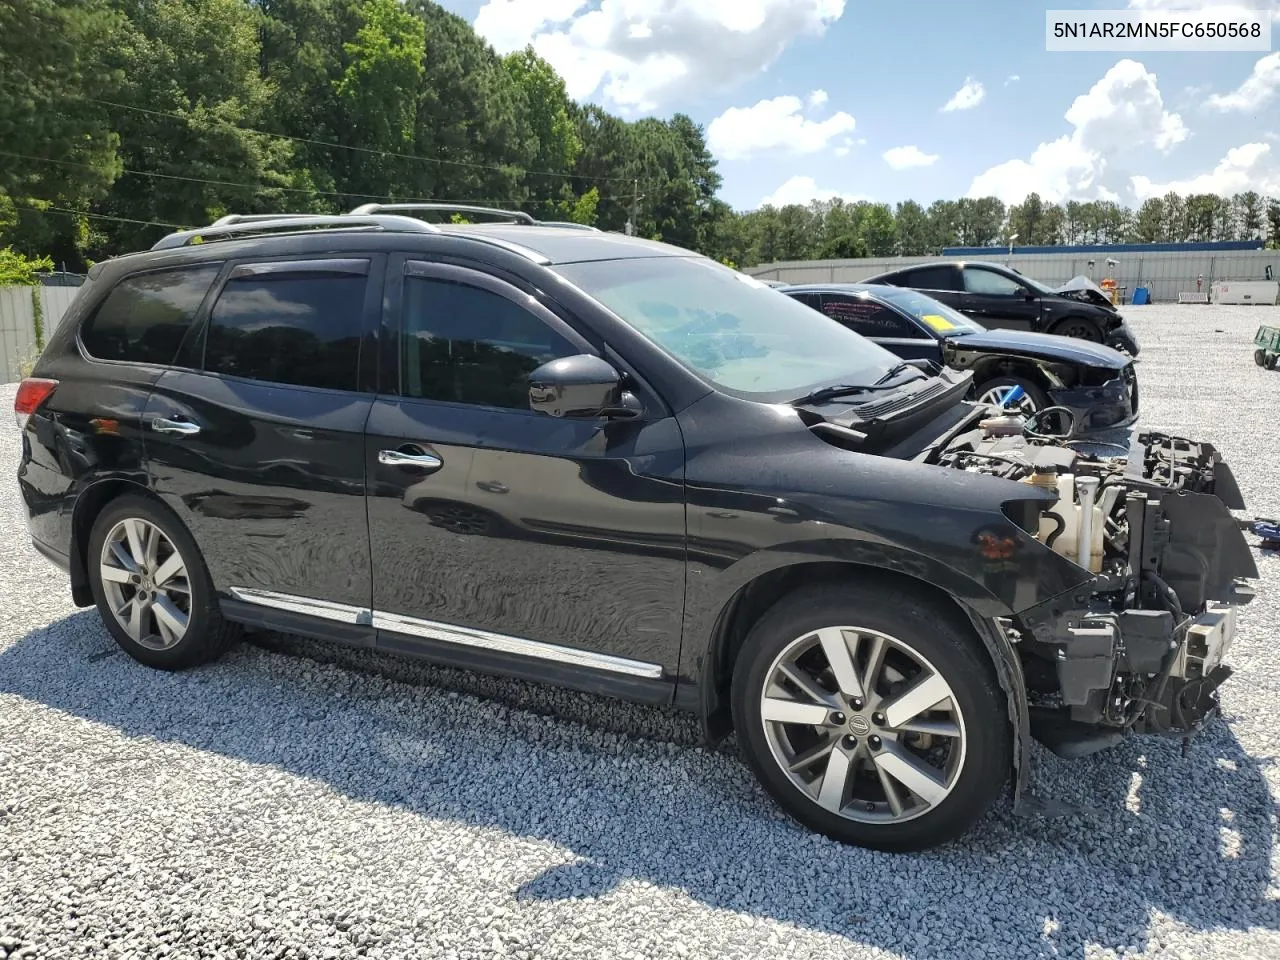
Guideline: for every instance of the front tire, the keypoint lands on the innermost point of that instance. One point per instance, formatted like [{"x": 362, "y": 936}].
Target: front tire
[
  {"x": 152, "y": 587},
  {"x": 1260, "y": 357},
  {"x": 998, "y": 390},
  {"x": 872, "y": 716}
]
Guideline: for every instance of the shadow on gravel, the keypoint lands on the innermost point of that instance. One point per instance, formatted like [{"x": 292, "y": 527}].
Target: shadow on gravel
[{"x": 1193, "y": 841}]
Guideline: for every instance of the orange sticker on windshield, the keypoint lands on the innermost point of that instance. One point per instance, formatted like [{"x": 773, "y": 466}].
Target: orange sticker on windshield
[{"x": 937, "y": 322}]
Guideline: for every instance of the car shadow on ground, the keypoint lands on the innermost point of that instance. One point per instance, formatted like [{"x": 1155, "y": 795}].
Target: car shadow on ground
[{"x": 1193, "y": 842}]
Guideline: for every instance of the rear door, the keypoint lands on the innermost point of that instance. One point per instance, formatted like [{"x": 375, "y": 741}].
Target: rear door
[
  {"x": 509, "y": 539},
  {"x": 257, "y": 439},
  {"x": 940, "y": 281},
  {"x": 997, "y": 300},
  {"x": 882, "y": 325}
]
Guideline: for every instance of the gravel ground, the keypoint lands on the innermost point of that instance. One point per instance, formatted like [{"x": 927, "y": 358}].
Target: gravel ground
[{"x": 301, "y": 801}]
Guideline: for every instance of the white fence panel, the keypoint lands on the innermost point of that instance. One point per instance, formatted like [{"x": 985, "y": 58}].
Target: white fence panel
[
  {"x": 17, "y": 330},
  {"x": 55, "y": 301}
]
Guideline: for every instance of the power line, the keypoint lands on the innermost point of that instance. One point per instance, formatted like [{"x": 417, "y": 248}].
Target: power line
[
  {"x": 368, "y": 150},
  {"x": 249, "y": 186},
  {"x": 102, "y": 216}
]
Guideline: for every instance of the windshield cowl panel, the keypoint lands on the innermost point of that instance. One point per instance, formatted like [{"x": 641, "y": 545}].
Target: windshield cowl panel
[{"x": 735, "y": 333}]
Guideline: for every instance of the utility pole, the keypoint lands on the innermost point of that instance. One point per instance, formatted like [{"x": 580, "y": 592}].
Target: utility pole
[{"x": 633, "y": 220}]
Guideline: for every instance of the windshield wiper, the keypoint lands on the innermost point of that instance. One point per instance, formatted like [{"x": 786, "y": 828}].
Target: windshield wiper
[{"x": 895, "y": 370}]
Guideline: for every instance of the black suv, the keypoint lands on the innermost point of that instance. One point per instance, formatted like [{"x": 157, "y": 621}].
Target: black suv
[
  {"x": 1000, "y": 297},
  {"x": 613, "y": 464}
]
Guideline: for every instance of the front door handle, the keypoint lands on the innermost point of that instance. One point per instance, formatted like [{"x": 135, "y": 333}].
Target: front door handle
[
  {"x": 179, "y": 428},
  {"x": 410, "y": 455}
]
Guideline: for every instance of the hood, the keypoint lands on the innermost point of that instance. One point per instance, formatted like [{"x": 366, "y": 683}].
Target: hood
[
  {"x": 1041, "y": 346},
  {"x": 1083, "y": 289}
]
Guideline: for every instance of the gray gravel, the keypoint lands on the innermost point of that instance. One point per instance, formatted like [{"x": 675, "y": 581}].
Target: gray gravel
[{"x": 333, "y": 804}]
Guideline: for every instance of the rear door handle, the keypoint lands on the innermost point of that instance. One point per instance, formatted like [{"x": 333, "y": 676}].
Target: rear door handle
[
  {"x": 410, "y": 455},
  {"x": 179, "y": 428}
]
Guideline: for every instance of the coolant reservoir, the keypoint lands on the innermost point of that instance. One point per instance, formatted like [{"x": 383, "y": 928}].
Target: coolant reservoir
[{"x": 1068, "y": 510}]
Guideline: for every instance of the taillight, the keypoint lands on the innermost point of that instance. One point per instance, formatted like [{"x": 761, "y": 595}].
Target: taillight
[{"x": 32, "y": 392}]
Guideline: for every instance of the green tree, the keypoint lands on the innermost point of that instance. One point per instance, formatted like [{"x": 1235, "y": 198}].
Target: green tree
[
  {"x": 878, "y": 229},
  {"x": 911, "y": 226},
  {"x": 1026, "y": 219},
  {"x": 1249, "y": 210},
  {"x": 547, "y": 112},
  {"x": 52, "y": 67},
  {"x": 1149, "y": 224},
  {"x": 1273, "y": 223},
  {"x": 377, "y": 95}
]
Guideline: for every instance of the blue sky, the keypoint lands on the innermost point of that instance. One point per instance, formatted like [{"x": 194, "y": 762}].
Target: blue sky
[{"x": 1071, "y": 125}]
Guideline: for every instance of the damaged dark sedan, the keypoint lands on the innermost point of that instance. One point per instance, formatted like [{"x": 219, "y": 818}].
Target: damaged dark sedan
[
  {"x": 1090, "y": 387},
  {"x": 1000, "y": 297}
]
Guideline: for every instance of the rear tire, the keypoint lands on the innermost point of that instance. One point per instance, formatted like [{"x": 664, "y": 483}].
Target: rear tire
[
  {"x": 1079, "y": 328},
  {"x": 820, "y": 678},
  {"x": 1260, "y": 357},
  {"x": 1272, "y": 358},
  {"x": 152, "y": 587}
]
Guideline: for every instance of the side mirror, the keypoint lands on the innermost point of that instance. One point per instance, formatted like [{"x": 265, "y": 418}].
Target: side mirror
[
  {"x": 582, "y": 386},
  {"x": 1024, "y": 293}
]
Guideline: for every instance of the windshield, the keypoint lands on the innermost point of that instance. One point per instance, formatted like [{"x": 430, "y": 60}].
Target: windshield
[
  {"x": 1033, "y": 284},
  {"x": 733, "y": 331},
  {"x": 932, "y": 313}
]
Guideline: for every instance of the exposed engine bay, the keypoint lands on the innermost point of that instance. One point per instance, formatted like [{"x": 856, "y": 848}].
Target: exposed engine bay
[{"x": 1141, "y": 647}]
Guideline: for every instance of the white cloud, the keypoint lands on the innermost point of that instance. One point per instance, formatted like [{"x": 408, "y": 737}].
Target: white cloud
[
  {"x": 904, "y": 158},
  {"x": 1121, "y": 111},
  {"x": 817, "y": 99},
  {"x": 967, "y": 97},
  {"x": 778, "y": 124},
  {"x": 639, "y": 53},
  {"x": 804, "y": 190},
  {"x": 1258, "y": 88},
  {"x": 1251, "y": 166},
  {"x": 1221, "y": 8},
  {"x": 1012, "y": 78}
]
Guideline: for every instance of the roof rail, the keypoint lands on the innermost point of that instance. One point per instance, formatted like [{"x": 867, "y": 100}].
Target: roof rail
[
  {"x": 370, "y": 208},
  {"x": 247, "y": 217},
  {"x": 254, "y": 225},
  {"x": 568, "y": 225}
]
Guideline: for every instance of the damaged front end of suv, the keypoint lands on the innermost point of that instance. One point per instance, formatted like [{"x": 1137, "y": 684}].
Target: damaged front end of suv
[{"x": 1140, "y": 645}]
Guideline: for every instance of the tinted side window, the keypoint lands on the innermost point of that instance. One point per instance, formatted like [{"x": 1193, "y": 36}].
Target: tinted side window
[
  {"x": 930, "y": 278},
  {"x": 468, "y": 345},
  {"x": 808, "y": 299},
  {"x": 988, "y": 282},
  {"x": 295, "y": 328},
  {"x": 144, "y": 318},
  {"x": 867, "y": 317}
]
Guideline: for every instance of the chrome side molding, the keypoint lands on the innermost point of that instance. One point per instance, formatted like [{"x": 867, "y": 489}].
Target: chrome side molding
[
  {"x": 447, "y": 633},
  {"x": 307, "y": 606}
]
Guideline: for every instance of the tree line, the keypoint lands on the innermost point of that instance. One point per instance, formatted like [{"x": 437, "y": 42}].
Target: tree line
[{"x": 122, "y": 119}]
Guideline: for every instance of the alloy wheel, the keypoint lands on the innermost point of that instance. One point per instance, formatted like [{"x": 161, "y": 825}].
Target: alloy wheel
[
  {"x": 863, "y": 724},
  {"x": 145, "y": 582},
  {"x": 1010, "y": 397}
]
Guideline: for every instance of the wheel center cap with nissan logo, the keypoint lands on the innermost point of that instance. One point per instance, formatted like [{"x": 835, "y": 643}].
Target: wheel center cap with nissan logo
[{"x": 859, "y": 725}]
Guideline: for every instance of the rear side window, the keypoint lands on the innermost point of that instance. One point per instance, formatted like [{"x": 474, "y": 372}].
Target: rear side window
[
  {"x": 468, "y": 345},
  {"x": 144, "y": 317},
  {"x": 867, "y": 317},
  {"x": 928, "y": 278},
  {"x": 808, "y": 299},
  {"x": 298, "y": 326}
]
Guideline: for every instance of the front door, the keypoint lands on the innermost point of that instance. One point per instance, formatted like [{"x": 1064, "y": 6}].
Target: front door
[
  {"x": 258, "y": 445},
  {"x": 998, "y": 301},
  {"x": 505, "y": 538}
]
